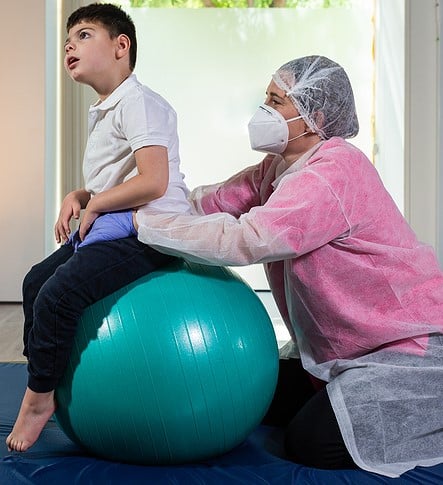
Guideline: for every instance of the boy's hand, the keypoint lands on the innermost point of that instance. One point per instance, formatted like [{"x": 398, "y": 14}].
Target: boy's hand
[
  {"x": 88, "y": 219},
  {"x": 71, "y": 206}
]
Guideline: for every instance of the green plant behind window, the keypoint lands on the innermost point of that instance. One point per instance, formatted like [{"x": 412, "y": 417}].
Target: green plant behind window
[{"x": 239, "y": 3}]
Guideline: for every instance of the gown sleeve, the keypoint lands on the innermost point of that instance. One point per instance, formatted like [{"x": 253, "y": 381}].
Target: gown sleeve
[
  {"x": 239, "y": 193},
  {"x": 301, "y": 215}
]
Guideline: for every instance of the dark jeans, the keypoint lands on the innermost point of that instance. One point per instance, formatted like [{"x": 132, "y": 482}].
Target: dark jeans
[
  {"x": 57, "y": 290},
  {"x": 312, "y": 435}
]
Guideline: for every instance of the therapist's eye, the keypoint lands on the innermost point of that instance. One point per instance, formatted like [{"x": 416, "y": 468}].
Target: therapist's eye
[{"x": 276, "y": 101}]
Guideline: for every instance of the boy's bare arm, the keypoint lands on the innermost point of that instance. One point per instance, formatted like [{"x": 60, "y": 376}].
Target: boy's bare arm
[
  {"x": 71, "y": 206},
  {"x": 149, "y": 184}
]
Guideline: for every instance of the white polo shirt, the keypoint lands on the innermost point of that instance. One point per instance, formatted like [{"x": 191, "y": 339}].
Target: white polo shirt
[{"x": 132, "y": 117}]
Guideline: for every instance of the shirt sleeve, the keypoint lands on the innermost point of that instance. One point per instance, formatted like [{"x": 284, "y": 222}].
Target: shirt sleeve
[
  {"x": 146, "y": 122},
  {"x": 301, "y": 215}
]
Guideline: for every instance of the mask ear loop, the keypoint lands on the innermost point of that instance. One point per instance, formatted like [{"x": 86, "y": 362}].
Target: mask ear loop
[
  {"x": 299, "y": 136},
  {"x": 295, "y": 118},
  {"x": 302, "y": 134}
]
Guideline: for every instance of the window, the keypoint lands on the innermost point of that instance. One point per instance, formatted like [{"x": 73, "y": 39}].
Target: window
[{"x": 217, "y": 76}]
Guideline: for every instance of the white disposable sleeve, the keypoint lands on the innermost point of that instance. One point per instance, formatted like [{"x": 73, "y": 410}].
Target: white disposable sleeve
[{"x": 300, "y": 216}]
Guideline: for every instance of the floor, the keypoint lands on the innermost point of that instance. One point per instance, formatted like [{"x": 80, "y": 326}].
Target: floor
[{"x": 11, "y": 322}]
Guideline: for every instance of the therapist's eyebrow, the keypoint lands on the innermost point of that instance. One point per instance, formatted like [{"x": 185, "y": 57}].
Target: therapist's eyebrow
[{"x": 275, "y": 95}]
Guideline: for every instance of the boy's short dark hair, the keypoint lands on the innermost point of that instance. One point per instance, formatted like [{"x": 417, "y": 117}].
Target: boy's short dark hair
[{"x": 115, "y": 20}]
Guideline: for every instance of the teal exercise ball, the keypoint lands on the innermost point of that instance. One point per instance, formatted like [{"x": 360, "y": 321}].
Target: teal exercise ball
[{"x": 179, "y": 366}]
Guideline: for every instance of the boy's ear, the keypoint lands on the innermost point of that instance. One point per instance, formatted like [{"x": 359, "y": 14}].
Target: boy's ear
[{"x": 123, "y": 45}]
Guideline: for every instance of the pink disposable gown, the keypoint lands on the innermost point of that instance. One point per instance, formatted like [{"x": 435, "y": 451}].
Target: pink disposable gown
[{"x": 361, "y": 297}]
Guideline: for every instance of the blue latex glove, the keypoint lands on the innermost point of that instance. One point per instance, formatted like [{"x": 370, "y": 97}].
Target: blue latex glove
[{"x": 107, "y": 227}]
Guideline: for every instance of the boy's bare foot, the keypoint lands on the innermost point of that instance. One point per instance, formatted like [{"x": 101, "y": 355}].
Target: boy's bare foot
[{"x": 35, "y": 411}]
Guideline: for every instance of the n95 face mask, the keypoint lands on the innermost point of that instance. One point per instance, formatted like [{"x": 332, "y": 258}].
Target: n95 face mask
[{"x": 268, "y": 130}]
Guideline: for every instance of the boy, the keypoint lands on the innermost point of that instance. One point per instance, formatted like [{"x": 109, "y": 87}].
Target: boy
[{"x": 131, "y": 161}]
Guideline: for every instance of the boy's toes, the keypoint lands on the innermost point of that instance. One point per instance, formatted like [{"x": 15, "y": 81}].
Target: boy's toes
[
  {"x": 13, "y": 444},
  {"x": 9, "y": 443}
]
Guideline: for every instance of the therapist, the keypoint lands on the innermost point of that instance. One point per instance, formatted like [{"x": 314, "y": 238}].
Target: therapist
[{"x": 361, "y": 381}]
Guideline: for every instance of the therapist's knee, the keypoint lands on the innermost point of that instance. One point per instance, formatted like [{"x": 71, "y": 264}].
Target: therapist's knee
[{"x": 313, "y": 437}]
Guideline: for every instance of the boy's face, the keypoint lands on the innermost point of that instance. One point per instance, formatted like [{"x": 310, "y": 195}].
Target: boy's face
[{"x": 90, "y": 53}]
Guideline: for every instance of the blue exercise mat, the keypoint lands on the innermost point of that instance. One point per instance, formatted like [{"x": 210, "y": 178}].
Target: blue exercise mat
[{"x": 54, "y": 459}]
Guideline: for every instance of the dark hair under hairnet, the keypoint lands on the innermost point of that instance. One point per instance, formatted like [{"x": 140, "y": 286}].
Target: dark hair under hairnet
[{"x": 322, "y": 93}]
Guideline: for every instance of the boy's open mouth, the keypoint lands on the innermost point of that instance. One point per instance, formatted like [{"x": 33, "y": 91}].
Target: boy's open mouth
[{"x": 71, "y": 61}]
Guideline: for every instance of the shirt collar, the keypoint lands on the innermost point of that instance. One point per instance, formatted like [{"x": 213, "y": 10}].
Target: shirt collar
[{"x": 116, "y": 95}]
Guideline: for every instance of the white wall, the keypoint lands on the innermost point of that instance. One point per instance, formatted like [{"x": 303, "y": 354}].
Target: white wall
[{"x": 22, "y": 101}]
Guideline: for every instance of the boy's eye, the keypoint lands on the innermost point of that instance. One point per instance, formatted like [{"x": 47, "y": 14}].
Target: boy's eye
[{"x": 83, "y": 35}]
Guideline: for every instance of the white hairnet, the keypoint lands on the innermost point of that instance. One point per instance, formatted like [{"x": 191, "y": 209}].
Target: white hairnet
[{"x": 321, "y": 91}]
